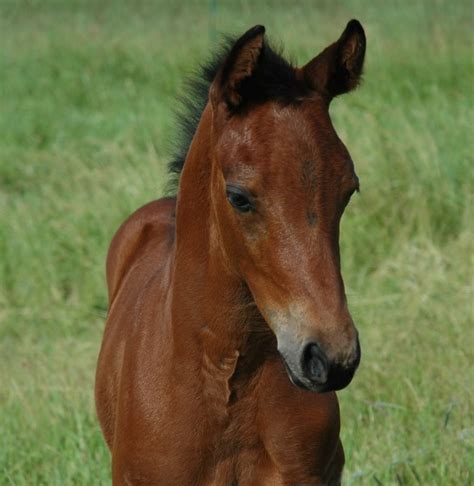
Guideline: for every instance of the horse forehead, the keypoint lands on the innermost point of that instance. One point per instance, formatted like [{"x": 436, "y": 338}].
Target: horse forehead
[
  {"x": 273, "y": 125},
  {"x": 273, "y": 137},
  {"x": 293, "y": 121}
]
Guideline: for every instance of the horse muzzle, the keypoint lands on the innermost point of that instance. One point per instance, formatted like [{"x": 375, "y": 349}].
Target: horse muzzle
[{"x": 309, "y": 367}]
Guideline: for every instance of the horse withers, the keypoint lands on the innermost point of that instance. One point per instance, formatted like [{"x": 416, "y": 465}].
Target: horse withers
[{"x": 228, "y": 330}]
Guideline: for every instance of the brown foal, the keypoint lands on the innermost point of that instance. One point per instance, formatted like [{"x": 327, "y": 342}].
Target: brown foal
[{"x": 228, "y": 329}]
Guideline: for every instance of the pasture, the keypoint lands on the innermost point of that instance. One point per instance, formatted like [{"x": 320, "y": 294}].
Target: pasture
[{"x": 87, "y": 93}]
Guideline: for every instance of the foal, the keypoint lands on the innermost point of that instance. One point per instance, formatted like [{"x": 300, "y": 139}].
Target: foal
[{"x": 228, "y": 329}]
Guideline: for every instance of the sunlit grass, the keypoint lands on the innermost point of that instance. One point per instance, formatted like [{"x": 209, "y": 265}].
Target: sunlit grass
[{"x": 86, "y": 97}]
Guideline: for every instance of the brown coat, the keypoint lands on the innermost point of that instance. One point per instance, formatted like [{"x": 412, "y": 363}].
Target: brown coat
[{"x": 217, "y": 299}]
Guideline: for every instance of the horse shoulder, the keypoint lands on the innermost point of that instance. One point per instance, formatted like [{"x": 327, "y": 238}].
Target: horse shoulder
[{"x": 151, "y": 224}]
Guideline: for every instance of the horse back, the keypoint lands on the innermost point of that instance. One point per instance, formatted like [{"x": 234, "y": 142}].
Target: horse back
[{"x": 150, "y": 228}]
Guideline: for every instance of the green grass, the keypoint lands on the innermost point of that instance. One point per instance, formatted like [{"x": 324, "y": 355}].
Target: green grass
[{"x": 86, "y": 97}]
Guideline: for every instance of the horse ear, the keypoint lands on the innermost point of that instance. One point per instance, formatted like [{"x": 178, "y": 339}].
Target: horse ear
[
  {"x": 239, "y": 65},
  {"x": 338, "y": 68}
]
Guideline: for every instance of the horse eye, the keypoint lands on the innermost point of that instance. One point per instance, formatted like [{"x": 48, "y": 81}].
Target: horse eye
[{"x": 239, "y": 199}]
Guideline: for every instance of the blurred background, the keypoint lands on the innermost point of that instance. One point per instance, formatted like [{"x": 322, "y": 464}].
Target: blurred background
[{"x": 87, "y": 93}]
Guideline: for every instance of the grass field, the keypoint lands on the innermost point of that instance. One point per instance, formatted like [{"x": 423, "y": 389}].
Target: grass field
[{"x": 86, "y": 97}]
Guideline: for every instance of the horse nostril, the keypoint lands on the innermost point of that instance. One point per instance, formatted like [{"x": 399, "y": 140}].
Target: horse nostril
[
  {"x": 358, "y": 354},
  {"x": 315, "y": 364}
]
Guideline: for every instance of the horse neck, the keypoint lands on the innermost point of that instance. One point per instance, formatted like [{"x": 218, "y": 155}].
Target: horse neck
[{"x": 213, "y": 315}]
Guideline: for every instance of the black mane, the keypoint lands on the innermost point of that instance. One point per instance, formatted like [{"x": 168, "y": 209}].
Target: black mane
[{"x": 274, "y": 79}]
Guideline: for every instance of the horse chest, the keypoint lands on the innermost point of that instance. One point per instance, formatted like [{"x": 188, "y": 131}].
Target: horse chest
[
  {"x": 278, "y": 436},
  {"x": 248, "y": 456},
  {"x": 249, "y": 466}
]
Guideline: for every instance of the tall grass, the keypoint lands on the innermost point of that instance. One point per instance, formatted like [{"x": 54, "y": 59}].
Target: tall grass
[{"x": 86, "y": 97}]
